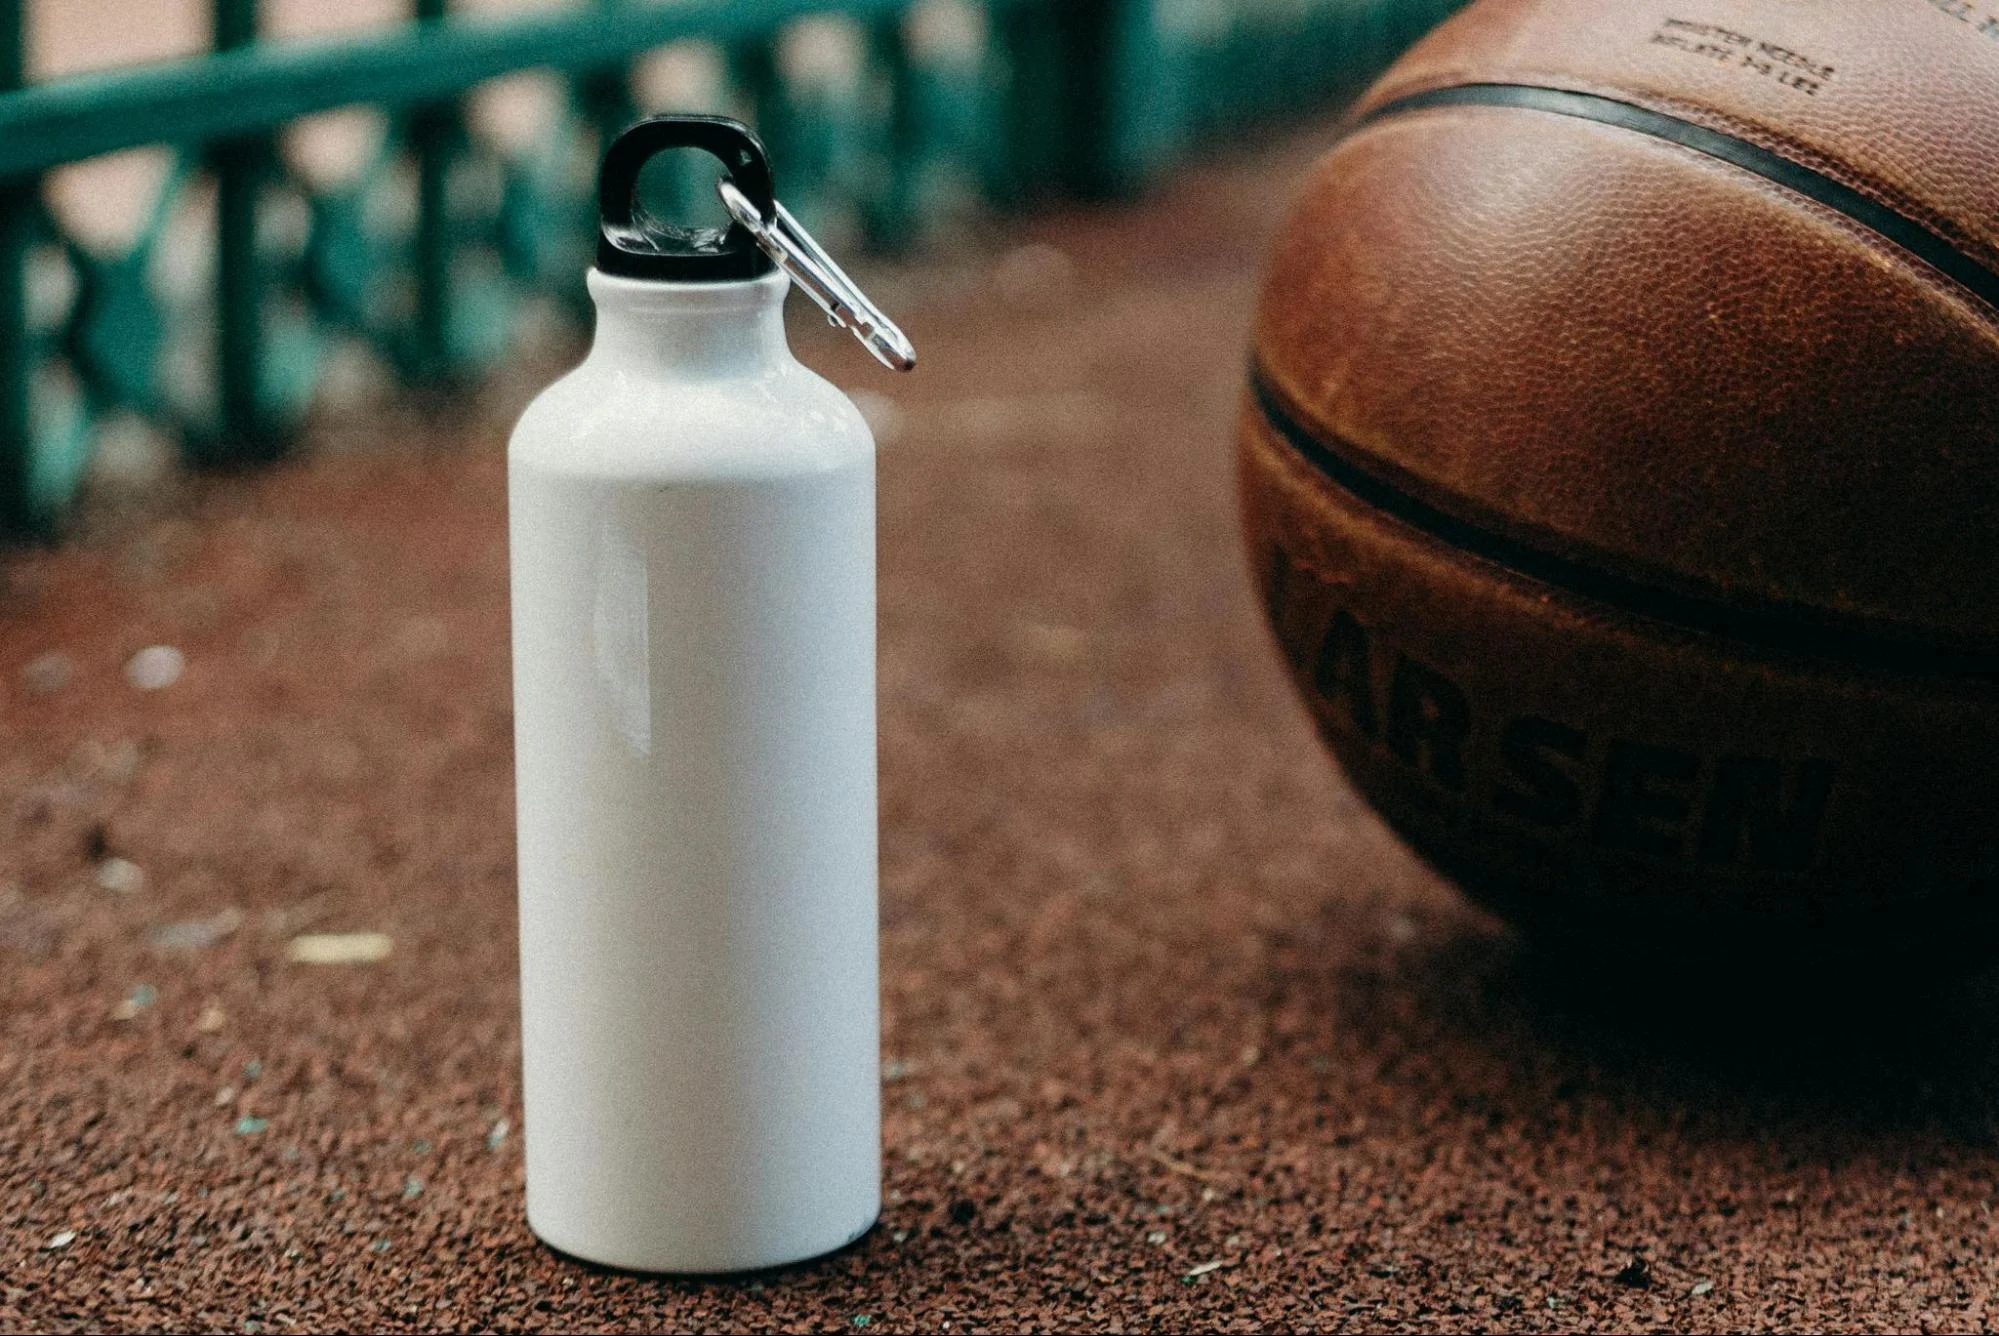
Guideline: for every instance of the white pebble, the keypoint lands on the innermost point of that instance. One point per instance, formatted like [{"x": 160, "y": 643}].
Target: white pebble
[
  {"x": 340, "y": 948},
  {"x": 62, "y": 1240},
  {"x": 121, "y": 876},
  {"x": 47, "y": 673},
  {"x": 194, "y": 934},
  {"x": 1036, "y": 276},
  {"x": 142, "y": 997},
  {"x": 155, "y": 667}
]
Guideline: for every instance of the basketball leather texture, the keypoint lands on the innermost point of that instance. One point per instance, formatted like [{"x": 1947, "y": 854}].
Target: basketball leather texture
[{"x": 1620, "y": 466}]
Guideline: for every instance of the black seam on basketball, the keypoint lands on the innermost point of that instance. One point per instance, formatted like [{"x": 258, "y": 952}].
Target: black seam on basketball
[
  {"x": 1932, "y": 249},
  {"x": 1770, "y": 627}
]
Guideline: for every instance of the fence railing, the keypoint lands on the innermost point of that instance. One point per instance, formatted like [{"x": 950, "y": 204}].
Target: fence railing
[{"x": 251, "y": 270}]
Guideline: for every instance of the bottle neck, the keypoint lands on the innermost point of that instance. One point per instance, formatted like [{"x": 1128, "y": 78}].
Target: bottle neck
[{"x": 690, "y": 331}]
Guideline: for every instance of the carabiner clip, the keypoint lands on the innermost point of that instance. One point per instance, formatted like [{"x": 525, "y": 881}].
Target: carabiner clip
[{"x": 793, "y": 250}]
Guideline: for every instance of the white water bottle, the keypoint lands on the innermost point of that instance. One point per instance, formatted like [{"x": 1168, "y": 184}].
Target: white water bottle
[{"x": 692, "y": 524}]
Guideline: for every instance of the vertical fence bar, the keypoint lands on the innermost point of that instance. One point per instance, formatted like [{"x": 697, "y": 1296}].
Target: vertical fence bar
[
  {"x": 1024, "y": 35},
  {"x": 889, "y": 219},
  {"x": 20, "y": 513},
  {"x": 606, "y": 96},
  {"x": 753, "y": 69},
  {"x": 1128, "y": 98},
  {"x": 242, "y": 432},
  {"x": 1078, "y": 97},
  {"x": 433, "y": 130}
]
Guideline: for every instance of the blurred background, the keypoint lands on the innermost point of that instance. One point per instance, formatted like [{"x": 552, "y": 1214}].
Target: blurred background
[{"x": 223, "y": 216}]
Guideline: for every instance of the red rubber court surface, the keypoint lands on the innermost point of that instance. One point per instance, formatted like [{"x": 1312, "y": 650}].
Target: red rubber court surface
[{"x": 1176, "y": 1036}]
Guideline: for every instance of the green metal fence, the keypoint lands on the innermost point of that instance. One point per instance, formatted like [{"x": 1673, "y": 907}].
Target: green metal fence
[{"x": 429, "y": 252}]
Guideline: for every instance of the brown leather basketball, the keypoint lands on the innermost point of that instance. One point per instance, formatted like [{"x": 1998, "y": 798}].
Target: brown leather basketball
[{"x": 1621, "y": 467}]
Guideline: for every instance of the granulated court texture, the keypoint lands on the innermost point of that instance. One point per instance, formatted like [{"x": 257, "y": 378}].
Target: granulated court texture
[{"x": 1175, "y": 1035}]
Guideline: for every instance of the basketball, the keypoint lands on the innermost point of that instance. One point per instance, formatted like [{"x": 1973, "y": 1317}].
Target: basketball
[{"x": 1620, "y": 469}]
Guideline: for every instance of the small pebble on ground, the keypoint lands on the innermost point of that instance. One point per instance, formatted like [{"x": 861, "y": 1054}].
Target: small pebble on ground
[
  {"x": 121, "y": 876},
  {"x": 138, "y": 1000},
  {"x": 194, "y": 934},
  {"x": 340, "y": 948},
  {"x": 47, "y": 674},
  {"x": 155, "y": 667}
]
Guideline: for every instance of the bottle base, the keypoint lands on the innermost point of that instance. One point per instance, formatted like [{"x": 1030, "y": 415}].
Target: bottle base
[{"x": 646, "y": 1262}]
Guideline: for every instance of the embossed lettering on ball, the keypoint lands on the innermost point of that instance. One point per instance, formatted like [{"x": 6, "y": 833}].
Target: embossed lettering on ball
[{"x": 1620, "y": 466}]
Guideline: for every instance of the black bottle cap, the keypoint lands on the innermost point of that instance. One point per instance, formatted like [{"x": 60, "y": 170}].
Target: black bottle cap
[{"x": 634, "y": 244}]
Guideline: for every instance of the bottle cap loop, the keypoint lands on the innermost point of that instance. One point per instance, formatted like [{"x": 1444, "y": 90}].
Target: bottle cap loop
[
  {"x": 633, "y": 243},
  {"x": 762, "y": 233}
]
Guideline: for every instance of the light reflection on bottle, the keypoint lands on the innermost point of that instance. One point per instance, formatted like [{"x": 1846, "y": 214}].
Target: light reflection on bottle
[{"x": 622, "y": 637}]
